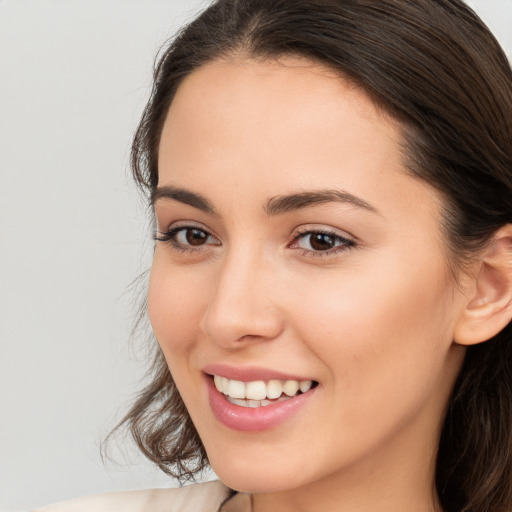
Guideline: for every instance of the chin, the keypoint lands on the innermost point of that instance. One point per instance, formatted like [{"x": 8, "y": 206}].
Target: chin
[{"x": 258, "y": 475}]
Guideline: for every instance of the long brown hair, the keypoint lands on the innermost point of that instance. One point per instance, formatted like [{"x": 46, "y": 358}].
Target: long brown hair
[{"x": 434, "y": 66}]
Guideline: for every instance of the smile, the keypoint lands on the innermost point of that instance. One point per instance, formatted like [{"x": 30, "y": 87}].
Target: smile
[
  {"x": 259, "y": 393},
  {"x": 253, "y": 400}
]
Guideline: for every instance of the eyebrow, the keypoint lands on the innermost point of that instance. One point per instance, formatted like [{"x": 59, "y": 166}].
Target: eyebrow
[
  {"x": 277, "y": 205},
  {"x": 183, "y": 196},
  {"x": 287, "y": 203}
]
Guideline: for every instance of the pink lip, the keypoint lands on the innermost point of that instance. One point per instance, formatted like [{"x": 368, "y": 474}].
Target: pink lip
[
  {"x": 250, "y": 373},
  {"x": 246, "y": 419}
]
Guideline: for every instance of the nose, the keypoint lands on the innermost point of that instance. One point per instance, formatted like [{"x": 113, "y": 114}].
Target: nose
[{"x": 242, "y": 307}]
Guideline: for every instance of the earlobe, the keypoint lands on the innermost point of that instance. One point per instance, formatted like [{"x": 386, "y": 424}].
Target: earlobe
[{"x": 489, "y": 309}]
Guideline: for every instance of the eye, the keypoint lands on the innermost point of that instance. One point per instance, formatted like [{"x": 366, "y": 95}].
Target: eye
[
  {"x": 187, "y": 238},
  {"x": 321, "y": 242},
  {"x": 191, "y": 236}
]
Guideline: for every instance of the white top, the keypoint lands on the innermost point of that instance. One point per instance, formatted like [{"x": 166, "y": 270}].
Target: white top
[{"x": 206, "y": 497}]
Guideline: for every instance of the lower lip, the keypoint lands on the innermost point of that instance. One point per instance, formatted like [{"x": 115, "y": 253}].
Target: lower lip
[{"x": 253, "y": 419}]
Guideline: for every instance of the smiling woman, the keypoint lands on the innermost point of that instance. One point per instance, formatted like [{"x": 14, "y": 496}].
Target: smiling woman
[
  {"x": 279, "y": 284},
  {"x": 288, "y": 285},
  {"x": 331, "y": 289}
]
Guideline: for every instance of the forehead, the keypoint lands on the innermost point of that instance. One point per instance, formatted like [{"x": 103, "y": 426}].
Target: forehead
[
  {"x": 265, "y": 128},
  {"x": 258, "y": 110},
  {"x": 290, "y": 83}
]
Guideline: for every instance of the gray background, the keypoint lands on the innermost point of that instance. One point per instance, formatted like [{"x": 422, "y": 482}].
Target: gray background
[{"x": 74, "y": 76}]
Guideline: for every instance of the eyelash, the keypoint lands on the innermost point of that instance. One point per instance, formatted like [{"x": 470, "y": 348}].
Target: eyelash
[
  {"x": 344, "y": 243},
  {"x": 169, "y": 237}
]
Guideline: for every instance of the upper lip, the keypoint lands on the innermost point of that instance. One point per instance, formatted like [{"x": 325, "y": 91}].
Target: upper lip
[{"x": 250, "y": 373}]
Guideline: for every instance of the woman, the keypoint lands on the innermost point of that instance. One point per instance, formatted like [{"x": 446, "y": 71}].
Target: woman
[{"x": 331, "y": 289}]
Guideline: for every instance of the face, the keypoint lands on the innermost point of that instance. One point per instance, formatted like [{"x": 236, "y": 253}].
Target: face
[{"x": 295, "y": 252}]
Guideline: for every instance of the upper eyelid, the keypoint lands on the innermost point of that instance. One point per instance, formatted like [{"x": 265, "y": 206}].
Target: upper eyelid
[
  {"x": 311, "y": 228},
  {"x": 183, "y": 224}
]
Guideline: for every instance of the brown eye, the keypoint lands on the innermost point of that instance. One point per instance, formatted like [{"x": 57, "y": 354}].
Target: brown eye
[
  {"x": 195, "y": 236},
  {"x": 187, "y": 237},
  {"x": 321, "y": 241}
]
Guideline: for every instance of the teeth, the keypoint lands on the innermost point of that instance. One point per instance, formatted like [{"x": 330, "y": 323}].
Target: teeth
[
  {"x": 305, "y": 386},
  {"x": 236, "y": 389},
  {"x": 291, "y": 387},
  {"x": 236, "y": 401},
  {"x": 256, "y": 390},
  {"x": 259, "y": 393},
  {"x": 274, "y": 389},
  {"x": 255, "y": 403}
]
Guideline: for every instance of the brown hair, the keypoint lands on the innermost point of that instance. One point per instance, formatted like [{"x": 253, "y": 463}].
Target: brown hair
[{"x": 434, "y": 66}]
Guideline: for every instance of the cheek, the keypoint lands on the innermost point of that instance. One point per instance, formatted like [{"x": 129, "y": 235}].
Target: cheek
[
  {"x": 175, "y": 304},
  {"x": 383, "y": 337},
  {"x": 381, "y": 325}
]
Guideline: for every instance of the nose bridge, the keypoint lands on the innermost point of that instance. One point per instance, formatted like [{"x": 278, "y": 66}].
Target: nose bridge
[{"x": 242, "y": 305}]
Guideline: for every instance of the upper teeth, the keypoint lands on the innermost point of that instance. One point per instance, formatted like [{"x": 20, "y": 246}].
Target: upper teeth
[{"x": 259, "y": 389}]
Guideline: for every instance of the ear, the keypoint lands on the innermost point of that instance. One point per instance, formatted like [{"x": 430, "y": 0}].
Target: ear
[{"x": 489, "y": 306}]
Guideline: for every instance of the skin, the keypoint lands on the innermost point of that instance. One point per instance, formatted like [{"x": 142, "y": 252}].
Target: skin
[{"x": 373, "y": 322}]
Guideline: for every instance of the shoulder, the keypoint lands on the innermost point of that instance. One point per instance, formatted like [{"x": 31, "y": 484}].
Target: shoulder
[{"x": 206, "y": 497}]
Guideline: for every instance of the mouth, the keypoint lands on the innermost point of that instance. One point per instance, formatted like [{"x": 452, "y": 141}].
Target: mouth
[
  {"x": 260, "y": 393},
  {"x": 254, "y": 399}
]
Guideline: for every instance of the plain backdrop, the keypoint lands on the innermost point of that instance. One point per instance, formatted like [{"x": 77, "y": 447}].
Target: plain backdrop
[{"x": 74, "y": 77}]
